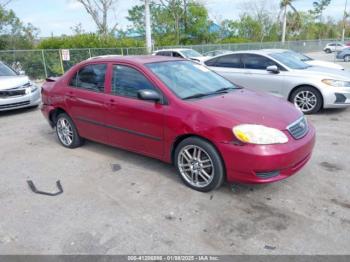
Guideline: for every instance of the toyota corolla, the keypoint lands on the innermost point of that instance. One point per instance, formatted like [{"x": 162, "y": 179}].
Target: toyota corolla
[{"x": 182, "y": 113}]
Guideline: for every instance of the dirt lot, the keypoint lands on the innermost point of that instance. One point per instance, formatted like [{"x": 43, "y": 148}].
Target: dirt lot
[{"x": 144, "y": 208}]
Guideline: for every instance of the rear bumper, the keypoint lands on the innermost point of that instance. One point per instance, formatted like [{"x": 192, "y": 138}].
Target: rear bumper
[
  {"x": 258, "y": 164},
  {"x": 28, "y": 100}
]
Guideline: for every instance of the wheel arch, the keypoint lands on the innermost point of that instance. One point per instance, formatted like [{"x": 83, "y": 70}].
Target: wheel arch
[
  {"x": 181, "y": 138},
  {"x": 305, "y": 85},
  {"x": 54, "y": 114}
]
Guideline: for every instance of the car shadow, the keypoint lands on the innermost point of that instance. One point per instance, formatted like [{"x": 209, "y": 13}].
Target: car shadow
[
  {"x": 13, "y": 112},
  {"x": 332, "y": 111},
  {"x": 157, "y": 167}
]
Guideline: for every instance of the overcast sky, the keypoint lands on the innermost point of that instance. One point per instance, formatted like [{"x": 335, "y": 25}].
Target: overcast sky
[{"x": 58, "y": 16}]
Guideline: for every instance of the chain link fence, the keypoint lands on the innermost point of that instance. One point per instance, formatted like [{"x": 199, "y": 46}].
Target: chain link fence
[{"x": 40, "y": 64}]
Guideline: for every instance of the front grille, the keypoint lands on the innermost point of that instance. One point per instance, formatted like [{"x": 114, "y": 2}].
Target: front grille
[
  {"x": 13, "y": 105},
  {"x": 12, "y": 92},
  {"x": 299, "y": 128}
]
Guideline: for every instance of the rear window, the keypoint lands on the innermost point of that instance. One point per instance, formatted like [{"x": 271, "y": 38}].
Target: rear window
[{"x": 90, "y": 77}]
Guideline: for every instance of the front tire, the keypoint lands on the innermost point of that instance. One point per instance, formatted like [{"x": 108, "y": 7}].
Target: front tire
[
  {"x": 347, "y": 58},
  {"x": 67, "y": 132},
  {"x": 308, "y": 99},
  {"x": 199, "y": 164},
  {"x": 328, "y": 51}
]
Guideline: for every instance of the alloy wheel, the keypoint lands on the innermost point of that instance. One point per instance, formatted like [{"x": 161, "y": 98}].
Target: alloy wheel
[
  {"x": 305, "y": 100},
  {"x": 196, "y": 166},
  {"x": 65, "y": 131}
]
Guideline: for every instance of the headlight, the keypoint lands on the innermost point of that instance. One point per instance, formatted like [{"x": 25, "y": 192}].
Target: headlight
[
  {"x": 30, "y": 87},
  {"x": 258, "y": 134},
  {"x": 336, "y": 83}
]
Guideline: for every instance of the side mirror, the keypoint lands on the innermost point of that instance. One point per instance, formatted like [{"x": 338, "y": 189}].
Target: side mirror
[
  {"x": 148, "y": 95},
  {"x": 273, "y": 69}
]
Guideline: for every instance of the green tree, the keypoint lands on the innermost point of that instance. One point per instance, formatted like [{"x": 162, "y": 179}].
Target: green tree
[
  {"x": 284, "y": 5},
  {"x": 14, "y": 34},
  {"x": 173, "y": 21},
  {"x": 319, "y": 7}
]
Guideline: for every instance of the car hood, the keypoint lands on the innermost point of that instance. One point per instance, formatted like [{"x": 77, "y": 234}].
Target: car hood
[
  {"x": 243, "y": 106},
  {"x": 323, "y": 72},
  {"x": 8, "y": 82},
  {"x": 325, "y": 64}
]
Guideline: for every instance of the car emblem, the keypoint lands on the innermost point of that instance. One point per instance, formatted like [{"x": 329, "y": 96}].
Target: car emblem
[{"x": 302, "y": 125}]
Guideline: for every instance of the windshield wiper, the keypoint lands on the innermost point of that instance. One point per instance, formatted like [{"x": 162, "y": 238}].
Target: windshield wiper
[
  {"x": 199, "y": 95},
  {"x": 219, "y": 91},
  {"x": 224, "y": 90}
]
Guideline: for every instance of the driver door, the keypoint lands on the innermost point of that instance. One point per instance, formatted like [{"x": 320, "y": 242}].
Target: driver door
[
  {"x": 134, "y": 124},
  {"x": 258, "y": 78}
]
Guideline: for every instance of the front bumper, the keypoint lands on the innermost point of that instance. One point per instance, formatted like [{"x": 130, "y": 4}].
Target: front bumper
[
  {"x": 17, "y": 102},
  {"x": 335, "y": 97},
  {"x": 258, "y": 164}
]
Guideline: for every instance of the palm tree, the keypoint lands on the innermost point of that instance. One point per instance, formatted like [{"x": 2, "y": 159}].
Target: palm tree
[{"x": 284, "y": 5}]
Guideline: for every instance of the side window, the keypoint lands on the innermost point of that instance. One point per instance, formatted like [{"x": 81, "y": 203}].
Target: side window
[
  {"x": 232, "y": 61},
  {"x": 164, "y": 53},
  {"x": 176, "y": 54},
  {"x": 257, "y": 62},
  {"x": 90, "y": 77},
  {"x": 127, "y": 81}
]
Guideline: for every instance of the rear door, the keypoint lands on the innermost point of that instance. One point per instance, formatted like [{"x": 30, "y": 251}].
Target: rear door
[
  {"x": 230, "y": 67},
  {"x": 86, "y": 101},
  {"x": 134, "y": 124}
]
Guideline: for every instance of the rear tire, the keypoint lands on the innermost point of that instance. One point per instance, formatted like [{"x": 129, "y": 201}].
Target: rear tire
[
  {"x": 67, "y": 132},
  {"x": 199, "y": 164},
  {"x": 308, "y": 99}
]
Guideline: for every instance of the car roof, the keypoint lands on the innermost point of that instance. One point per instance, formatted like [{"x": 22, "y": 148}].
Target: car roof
[
  {"x": 144, "y": 59},
  {"x": 173, "y": 49},
  {"x": 257, "y": 52}
]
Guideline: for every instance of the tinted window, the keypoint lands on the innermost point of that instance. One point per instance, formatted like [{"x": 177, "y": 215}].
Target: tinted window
[
  {"x": 176, "y": 54},
  {"x": 164, "y": 53},
  {"x": 258, "y": 62},
  {"x": 233, "y": 61},
  {"x": 90, "y": 77},
  {"x": 6, "y": 71},
  {"x": 127, "y": 81}
]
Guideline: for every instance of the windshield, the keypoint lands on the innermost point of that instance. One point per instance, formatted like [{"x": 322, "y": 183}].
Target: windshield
[
  {"x": 190, "y": 53},
  {"x": 6, "y": 71},
  {"x": 300, "y": 56},
  {"x": 290, "y": 61},
  {"x": 187, "y": 79}
]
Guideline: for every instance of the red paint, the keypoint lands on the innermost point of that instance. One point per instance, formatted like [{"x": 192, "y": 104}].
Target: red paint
[{"x": 151, "y": 129}]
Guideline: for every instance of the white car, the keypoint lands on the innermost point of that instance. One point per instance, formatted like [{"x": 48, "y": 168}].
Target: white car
[
  {"x": 16, "y": 91},
  {"x": 334, "y": 47},
  {"x": 310, "y": 61},
  {"x": 310, "y": 88},
  {"x": 185, "y": 53}
]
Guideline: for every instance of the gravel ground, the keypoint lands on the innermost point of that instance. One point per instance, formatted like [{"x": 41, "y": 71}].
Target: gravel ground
[{"x": 144, "y": 208}]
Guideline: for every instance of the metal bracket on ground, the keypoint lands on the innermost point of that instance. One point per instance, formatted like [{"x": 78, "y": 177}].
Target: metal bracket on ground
[{"x": 35, "y": 190}]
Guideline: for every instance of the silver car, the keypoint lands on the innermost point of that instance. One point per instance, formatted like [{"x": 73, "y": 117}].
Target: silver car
[
  {"x": 16, "y": 91},
  {"x": 277, "y": 72}
]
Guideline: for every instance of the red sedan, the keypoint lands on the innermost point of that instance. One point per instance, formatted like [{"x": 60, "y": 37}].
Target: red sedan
[{"x": 182, "y": 113}]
